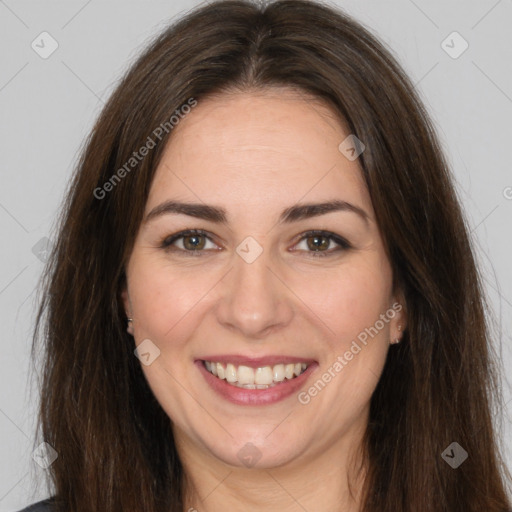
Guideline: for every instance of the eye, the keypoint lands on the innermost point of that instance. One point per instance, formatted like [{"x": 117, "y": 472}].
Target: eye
[
  {"x": 194, "y": 242},
  {"x": 321, "y": 243},
  {"x": 190, "y": 242}
]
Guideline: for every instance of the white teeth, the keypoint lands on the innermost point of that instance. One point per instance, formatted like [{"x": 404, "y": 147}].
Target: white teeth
[
  {"x": 230, "y": 373},
  {"x": 255, "y": 378},
  {"x": 245, "y": 375},
  {"x": 278, "y": 374},
  {"x": 263, "y": 375}
]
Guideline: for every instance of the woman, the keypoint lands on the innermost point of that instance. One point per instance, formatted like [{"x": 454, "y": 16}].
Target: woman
[{"x": 263, "y": 295}]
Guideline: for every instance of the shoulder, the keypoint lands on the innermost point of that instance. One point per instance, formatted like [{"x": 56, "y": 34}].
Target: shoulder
[{"x": 40, "y": 506}]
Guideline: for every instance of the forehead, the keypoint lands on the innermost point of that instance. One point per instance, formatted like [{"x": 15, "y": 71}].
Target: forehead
[{"x": 254, "y": 146}]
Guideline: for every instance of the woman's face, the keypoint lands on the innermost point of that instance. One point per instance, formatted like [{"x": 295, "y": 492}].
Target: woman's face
[{"x": 256, "y": 294}]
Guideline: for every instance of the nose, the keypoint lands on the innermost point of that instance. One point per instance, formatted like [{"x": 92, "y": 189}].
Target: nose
[{"x": 254, "y": 299}]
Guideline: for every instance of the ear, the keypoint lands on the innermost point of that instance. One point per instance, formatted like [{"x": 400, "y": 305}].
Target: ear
[
  {"x": 398, "y": 323},
  {"x": 125, "y": 297}
]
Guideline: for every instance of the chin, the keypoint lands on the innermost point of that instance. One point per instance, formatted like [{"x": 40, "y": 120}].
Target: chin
[{"x": 256, "y": 451}]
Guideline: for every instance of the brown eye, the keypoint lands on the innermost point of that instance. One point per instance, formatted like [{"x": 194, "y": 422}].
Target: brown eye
[
  {"x": 318, "y": 242},
  {"x": 322, "y": 243},
  {"x": 194, "y": 242},
  {"x": 189, "y": 243}
]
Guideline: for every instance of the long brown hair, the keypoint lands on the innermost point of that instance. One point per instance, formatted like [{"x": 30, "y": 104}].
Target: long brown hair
[{"x": 114, "y": 441}]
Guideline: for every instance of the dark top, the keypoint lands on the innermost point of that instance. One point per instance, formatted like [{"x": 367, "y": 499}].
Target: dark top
[{"x": 40, "y": 506}]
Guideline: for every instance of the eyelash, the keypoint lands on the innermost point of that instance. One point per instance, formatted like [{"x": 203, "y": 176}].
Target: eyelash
[{"x": 167, "y": 242}]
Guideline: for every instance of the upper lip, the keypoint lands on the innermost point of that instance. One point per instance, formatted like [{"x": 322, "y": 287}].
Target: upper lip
[{"x": 256, "y": 362}]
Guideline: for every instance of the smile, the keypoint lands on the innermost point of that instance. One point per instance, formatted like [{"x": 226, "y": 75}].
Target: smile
[
  {"x": 264, "y": 380},
  {"x": 255, "y": 378}
]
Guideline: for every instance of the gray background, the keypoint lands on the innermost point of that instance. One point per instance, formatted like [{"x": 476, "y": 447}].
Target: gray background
[{"x": 47, "y": 107}]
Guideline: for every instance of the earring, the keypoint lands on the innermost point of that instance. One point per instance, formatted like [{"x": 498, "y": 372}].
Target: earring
[
  {"x": 129, "y": 329},
  {"x": 397, "y": 339}
]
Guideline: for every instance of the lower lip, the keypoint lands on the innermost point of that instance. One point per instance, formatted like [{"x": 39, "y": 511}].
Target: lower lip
[{"x": 242, "y": 396}]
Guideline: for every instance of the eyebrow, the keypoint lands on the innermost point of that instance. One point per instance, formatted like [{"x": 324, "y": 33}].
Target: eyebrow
[{"x": 219, "y": 215}]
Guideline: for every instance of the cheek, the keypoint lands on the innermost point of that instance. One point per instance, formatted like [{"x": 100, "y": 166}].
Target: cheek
[
  {"x": 349, "y": 299},
  {"x": 351, "y": 303},
  {"x": 165, "y": 301},
  {"x": 166, "y": 304}
]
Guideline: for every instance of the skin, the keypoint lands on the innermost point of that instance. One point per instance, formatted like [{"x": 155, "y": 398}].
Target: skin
[{"x": 255, "y": 153}]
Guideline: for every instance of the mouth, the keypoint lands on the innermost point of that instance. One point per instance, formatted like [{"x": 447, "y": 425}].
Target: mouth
[
  {"x": 255, "y": 381},
  {"x": 262, "y": 377}
]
